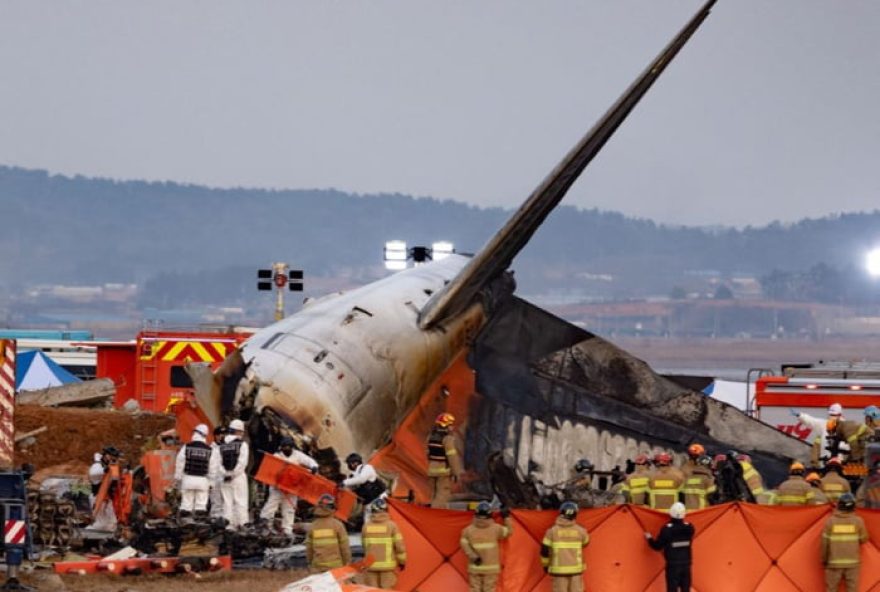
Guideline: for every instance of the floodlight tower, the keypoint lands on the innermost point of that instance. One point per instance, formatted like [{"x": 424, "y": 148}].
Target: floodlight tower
[
  {"x": 396, "y": 253},
  {"x": 280, "y": 275}
]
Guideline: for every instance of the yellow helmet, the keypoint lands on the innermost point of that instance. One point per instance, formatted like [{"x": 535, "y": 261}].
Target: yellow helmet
[
  {"x": 814, "y": 476},
  {"x": 444, "y": 420},
  {"x": 796, "y": 467}
]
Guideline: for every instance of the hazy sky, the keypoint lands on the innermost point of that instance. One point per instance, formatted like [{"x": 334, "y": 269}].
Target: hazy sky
[{"x": 770, "y": 112}]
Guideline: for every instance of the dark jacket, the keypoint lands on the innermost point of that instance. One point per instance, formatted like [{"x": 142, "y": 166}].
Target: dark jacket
[{"x": 675, "y": 540}]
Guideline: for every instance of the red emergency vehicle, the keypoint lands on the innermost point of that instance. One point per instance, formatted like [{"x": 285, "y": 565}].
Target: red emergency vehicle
[
  {"x": 811, "y": 389},
  {"x": 150, "y": 369}
]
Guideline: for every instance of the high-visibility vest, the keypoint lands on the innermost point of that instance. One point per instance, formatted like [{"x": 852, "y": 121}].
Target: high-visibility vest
[
  {"x": 794, "y": 492},
  {"x": 697, "y": 489},
  {"x": 636, "y": 487},
  {"x": 383, "y": 541},
  {"x": 663, "y": 487}
]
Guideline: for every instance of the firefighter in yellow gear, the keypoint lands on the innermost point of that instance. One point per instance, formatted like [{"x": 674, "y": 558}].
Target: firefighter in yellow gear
[
  {"x": 665, "y": 483},
  {"x": 815, "y": 482},
  {"x": 562, "y": 551},
  {"x": 795, "y": 491},
  {"x": 699, "y": 485},
  {"x": 635, "y": 487},
  {"x": 751, "y": 476},
  {"x": 855, "y": 434},
  {"x": 833, "y": 484},
  {"x": 694, "y": 451},
  {"x": 481, "y": 542},
  {"x": 382, "y": 539},
  {"x": 327, "y": 541},
  {"x": 842, "y": 537},
  {"x": 444, "y": 460}
]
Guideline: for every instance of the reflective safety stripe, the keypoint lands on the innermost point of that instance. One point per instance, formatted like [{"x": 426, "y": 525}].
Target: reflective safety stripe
[
  {"x": 678, "y": 544},
  {"x": 843, "y": 562},
  {"x": 843, "y": 528},
  {"x": 664, "y": 483},
  {"x": 489, "y": 545},
  {"x": 794, "y": 499},
  {"x": 483, "y": 568},
  {"x": 832, "y": 487},
  {"x": 843, "y": 538},
  {"x": 566, "y": 545},
  {"x": 439, "y": 471},
  {"x": 451, "y": 452},
  {"x": 567, "y": 569}
]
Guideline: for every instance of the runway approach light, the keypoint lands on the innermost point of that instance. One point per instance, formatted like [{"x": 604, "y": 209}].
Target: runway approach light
[
  {"x": 397, "y": 254},
  {"x": 872, "y": 262}
]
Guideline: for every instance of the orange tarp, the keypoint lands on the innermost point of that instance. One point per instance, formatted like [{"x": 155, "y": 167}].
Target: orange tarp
[
  {"x": 299, "y": 481},
  {"x": 737, "y": 548},
  {"x": 406, "y": 456}
]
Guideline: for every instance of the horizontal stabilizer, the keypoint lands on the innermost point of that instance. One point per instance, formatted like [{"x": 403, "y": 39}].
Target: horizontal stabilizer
[{"x": 498, "y": 253}]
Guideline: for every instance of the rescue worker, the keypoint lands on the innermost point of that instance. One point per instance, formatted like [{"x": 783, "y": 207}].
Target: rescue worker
[
  {"x": 818, "y": 436},
  {"x": 562, "y": 550},
  {"x": 872, "y": 420},
  {"x": 842, "y": 537},
  {"x": 675, "y": 540},
  {"x": 794, "y": 491},
  {"x": 234, "y": 454},
  {"x": 699, "y": 485},
  {"x": 96, "y": 473},
  {"x": 363, "y": 481},
  {"x": 196, "y": 468},
  {"x": 853, "y": 433},
  {"x": 815, "y": 482},
  {"x": 868, "y": 494},
  {"x": 105, "y": 516},
  {"x": 833, "y": 484},
  {"x": 444, "y": 462},
  {"x": 664, "y": 484},
  {"x": 287, "y": 501},
  {"x": 480, "y": 541},
  {"x": 382, "y": 539},
  {"x": 751, "y": 476},
  {"x": 694, "y": 452},
  {"x": 215, "y": 498},
  {"x": 327, "y": 541}
]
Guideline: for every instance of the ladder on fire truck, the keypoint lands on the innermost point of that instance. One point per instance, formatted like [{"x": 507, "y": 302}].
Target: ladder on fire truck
[{"x": 148, "y": 360}]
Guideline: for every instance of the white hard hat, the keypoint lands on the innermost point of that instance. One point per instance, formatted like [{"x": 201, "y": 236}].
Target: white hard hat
[
  {"x": 677, "y": 510},
  {"x": 236, "y": 425},
  {"x": 97, "y": 457},
  {"x": 835, "y": 409},
  {"x": 201, "y": 429}
]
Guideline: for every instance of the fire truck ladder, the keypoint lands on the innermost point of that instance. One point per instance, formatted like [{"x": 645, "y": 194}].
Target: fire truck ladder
[{"x": 149, "y": 367}]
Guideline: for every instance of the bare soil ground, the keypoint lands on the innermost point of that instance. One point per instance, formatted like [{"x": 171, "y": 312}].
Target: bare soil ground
[
  {"x": 75, "y": 434},
  {"x": 239, "y": 581}
]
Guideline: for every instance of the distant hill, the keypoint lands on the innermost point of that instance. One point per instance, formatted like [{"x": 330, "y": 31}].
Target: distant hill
[{"x": 81, "y": 230}]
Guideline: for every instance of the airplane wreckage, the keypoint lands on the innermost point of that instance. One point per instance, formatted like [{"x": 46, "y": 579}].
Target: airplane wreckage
[{"x": 350, "y": 371}]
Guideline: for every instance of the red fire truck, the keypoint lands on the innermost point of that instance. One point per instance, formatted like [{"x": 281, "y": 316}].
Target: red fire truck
[
  {"x": 150, "y": 370},
  {"x": 812, "y": 388}
]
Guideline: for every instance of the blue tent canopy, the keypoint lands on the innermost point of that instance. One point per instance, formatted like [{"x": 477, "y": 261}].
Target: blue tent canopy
[{"x": 34, "y": 370}]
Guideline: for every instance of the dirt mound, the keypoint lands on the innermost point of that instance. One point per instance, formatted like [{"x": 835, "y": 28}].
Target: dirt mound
[{"x": 76, "y": 434}]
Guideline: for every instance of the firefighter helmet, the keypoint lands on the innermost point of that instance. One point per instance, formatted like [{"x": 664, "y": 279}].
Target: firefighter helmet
[
  {"x": 796, "y": 468},
  {"x": 872, "y": 412},
  {"x": 326, "y": 502},
  {"x": 483, "y": 510},
  {"x": 354, "y": 459},
  {"x": 696, "y": 450},
  {"x": 835, "y": 410},
  {"x": 444, "y": 420},
  {"x": 286, "y": 442},
  {"x": 677, "y": 511},
  {"x": 568, "y": 510},
  {"x": 846, "y": 502},
  {"x": 583, "y": 466},
  {"x": 813, "y": 477},
  {"x": 662, "y": 459},
  {"x": 236, "y": 425},
  {"x": 704, "y": 461},
  {"x": 379, "y": 505},
  {"x": 641, "y": 459}
]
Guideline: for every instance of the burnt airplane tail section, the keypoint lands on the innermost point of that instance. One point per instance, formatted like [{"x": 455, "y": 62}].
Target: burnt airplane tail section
[{"x": 553, "y": 393}]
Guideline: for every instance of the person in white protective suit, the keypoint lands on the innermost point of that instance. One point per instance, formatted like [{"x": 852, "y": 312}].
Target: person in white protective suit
[
  {"x": 287, "y": 501},
  {"x": 196, "y": 467},
  {"x": 818, "y": 435},
  {"x": 234, "y": 454},
  {"x": 215, "y": 498},
  {"x": 96, "y": 474}
]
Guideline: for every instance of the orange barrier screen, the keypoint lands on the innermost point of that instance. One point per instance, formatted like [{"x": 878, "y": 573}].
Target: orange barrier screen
[
  {"x": 737, "y": 548},
  {"x": 299, "y": 481}
]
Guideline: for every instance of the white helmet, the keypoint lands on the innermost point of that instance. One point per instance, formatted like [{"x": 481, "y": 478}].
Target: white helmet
[
  {"x": 677, "y": 510},
  {"x": 201, "y": 429},
  {"x": 97, "y": 457},
  {"x": 236, "y": 425},
  {"x": 835, "y": 409}
]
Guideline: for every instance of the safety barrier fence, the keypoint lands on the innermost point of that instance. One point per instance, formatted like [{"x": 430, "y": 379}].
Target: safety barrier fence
[{"x": 737, "y": 548}]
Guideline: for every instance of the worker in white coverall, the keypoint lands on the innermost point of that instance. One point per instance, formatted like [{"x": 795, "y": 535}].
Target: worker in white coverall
[
  {"x": 215, "y": 498},
  {"x": 818, "y": 436},
  {"x": 287, "y": 501},
  {"x": 196, "y": 467},
  {"x": 96, "y": 474},
  {"x": 234, "y": 454}
]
